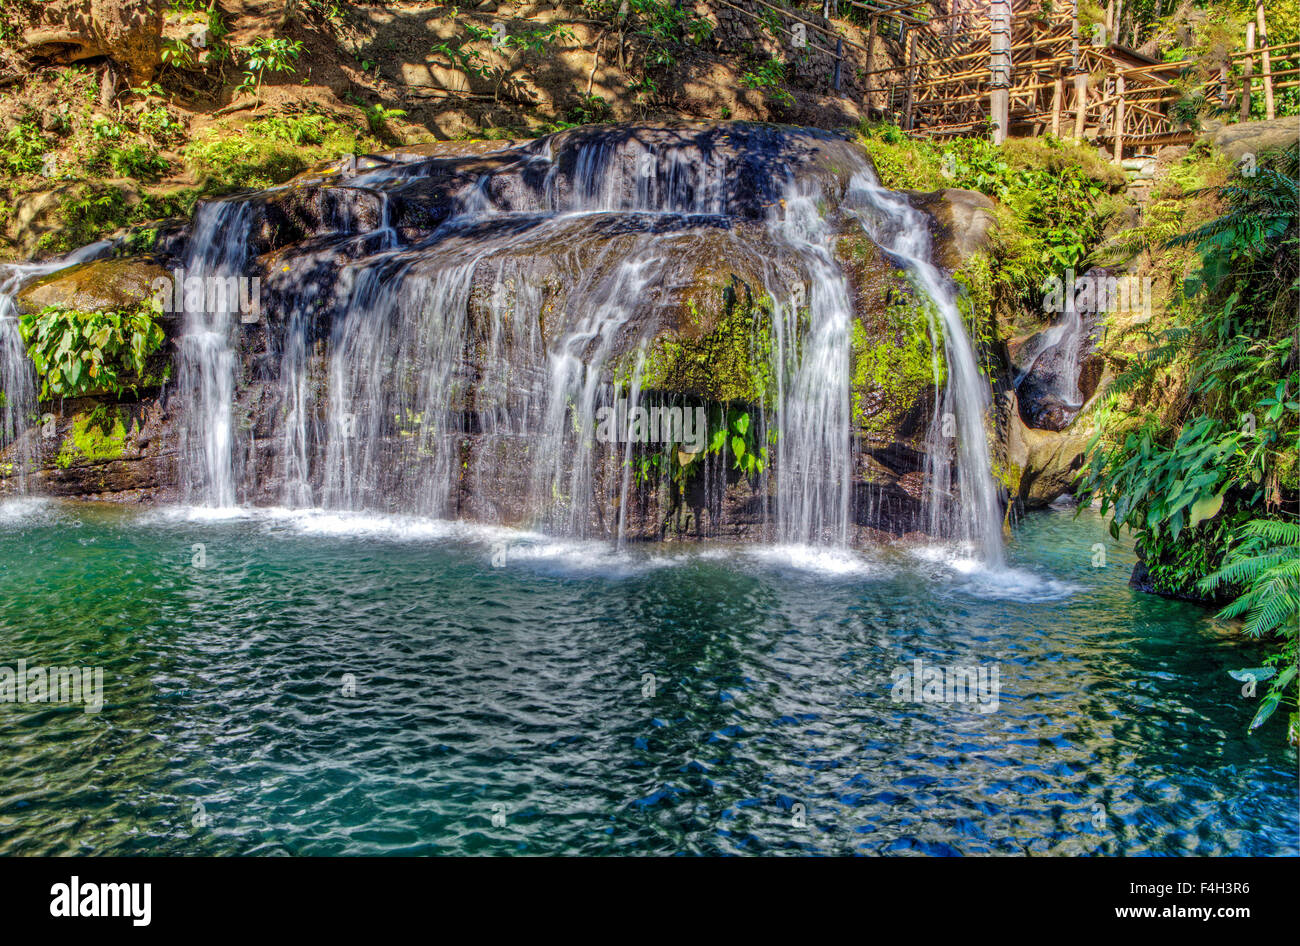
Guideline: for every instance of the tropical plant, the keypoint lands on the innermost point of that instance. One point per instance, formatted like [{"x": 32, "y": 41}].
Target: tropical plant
[
  {"x": 264, "y": 55},
  {"x": 1265, "y": 563},
  {"x": 78, "y": 353},
  {"x": 1204, "y": 472}
]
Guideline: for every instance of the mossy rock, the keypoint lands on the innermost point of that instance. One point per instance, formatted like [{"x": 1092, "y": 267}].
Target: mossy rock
[
  {"x": 96, "y": 286},
  {"x": 892, "y": 355},
  {"x": 721, "y": 350},
  {"x": 94, "y": 437}
]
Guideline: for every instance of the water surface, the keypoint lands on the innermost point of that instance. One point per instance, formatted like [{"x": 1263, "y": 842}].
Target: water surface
[{"x": 674, "y": 699}]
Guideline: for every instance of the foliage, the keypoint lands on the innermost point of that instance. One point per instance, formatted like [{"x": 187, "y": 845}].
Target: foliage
[
  {"x": 1053, "y": 196},
  {"x": 662, "y": 29},
  {"x": 24, "y": 148},
  {"x": 378, "y": 117},
  {"x": 270, "y": 150},
  {"x": 1204, "y": 472},
  {"x": 267, "y": 54},
  {"x": 770, "y": 77},
  {"x": 733, "y": 433},
  {"x": 80, "y": 353},
  {"x": 135, "y": 161},
  {"x": 91, "y": 211},
  {"x": 1265, "y": 564}
]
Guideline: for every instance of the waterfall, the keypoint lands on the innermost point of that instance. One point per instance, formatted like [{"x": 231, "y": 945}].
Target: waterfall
[
  {"x": 18, "y": 391},
  {"x": 447, "y": 328},
  {"x": 218, "y": 250},
  {"x": 974, "y": 515},
  {"x": 17, "y": 375},
  {"x": 813, "y": 468}
]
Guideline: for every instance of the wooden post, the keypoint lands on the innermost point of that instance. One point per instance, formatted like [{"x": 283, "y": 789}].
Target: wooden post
[
  {"x": 839, "y": 62},
  {"x": 1058, "y": 93},
  {"x": 911, "y": 77},
  {"x": 1119, "y": 117},
  {"x": 1247, "y": 67},
  {"x": 1108, "y": 23},
  {"x": 871, "y": 48},
  {"x": 999, "y": 68},
  {"x": 1267, "y": 60},
  {"x": 1223, "y": 83},
  {"x": 1080, "y": 79},
  {"x": 1080, "y": 104}
]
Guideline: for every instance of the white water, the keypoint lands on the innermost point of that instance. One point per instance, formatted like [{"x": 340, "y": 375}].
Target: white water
[
  {"x": 383, "y": 427},
  {"x": 814, "y": 459},
  {"x": 974, "y": 515},
  {"x": 218, "y": 248}
]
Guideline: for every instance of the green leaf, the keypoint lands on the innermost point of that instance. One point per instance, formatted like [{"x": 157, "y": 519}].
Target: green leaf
[{"x": 1206, "y": 508}]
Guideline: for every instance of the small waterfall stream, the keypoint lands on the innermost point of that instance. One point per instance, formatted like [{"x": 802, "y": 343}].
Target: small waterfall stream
[
  {"x": 974, "y": 515},
  {"x": 218, "y": 250}
]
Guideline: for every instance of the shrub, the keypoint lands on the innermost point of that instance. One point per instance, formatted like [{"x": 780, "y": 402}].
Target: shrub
[{"x": 79, "y": 353}]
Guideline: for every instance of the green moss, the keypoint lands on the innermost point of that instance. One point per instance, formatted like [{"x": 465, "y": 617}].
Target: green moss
[
  {"x": 96, "y": 437},
  {"x": 723, "y": 355},
  {"x": 893, "y": 365}
]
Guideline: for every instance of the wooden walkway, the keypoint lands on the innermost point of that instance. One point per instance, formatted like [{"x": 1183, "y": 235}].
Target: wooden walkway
[{"x": 1008, "y": 68}]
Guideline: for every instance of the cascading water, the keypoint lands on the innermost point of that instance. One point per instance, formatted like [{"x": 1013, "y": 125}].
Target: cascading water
[
  {"x": 813, "y": 468},
  {"x": 17, "y": 376},
  {"x": 974, "y": 516},
  {"x": 218, "y": 250},
  {"x": 445, "y": 339}
]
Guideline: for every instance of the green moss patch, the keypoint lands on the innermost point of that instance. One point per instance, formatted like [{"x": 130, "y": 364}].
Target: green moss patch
[
  {"x": 726, "y": 357},
  {"x": 95, "y": 437}
]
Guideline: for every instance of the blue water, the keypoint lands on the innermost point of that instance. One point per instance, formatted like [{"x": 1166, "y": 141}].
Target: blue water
[{"x": 675, "y": 699}]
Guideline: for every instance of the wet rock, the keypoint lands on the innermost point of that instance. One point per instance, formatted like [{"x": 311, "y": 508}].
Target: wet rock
[
  {"x": 1044, "y": 463},
  {"x": 1057, "y": 370},
  {"x": 963, "y": 223},
  {"x": 95, "y": 286}
]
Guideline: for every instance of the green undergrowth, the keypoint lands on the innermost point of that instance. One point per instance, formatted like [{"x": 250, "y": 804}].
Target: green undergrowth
[
  {"x": 1053, "y": 197},
  {"x": 270, "y": 150}
]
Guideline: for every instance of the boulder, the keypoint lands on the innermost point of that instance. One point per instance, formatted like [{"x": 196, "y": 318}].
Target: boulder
[
  {"x": 1253, "y": 137},
  {"x": 963, "y": 223},
  {"x": 94, "y": 286},
  {"x": 129, "y": 32},
  {"x": 1048, "y": 461}
]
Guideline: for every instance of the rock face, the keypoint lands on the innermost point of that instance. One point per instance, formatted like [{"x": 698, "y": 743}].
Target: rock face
[
  {"x": 1253, "y": 137},
  {"x": 127, "y": 31},
  {"x": 439, "y": 327},
  {"x": 963, "y": 223}
]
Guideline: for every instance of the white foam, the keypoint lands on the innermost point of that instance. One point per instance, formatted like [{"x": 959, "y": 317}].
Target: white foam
[
  {"x": 1001, "y": 582},
  {"x": 828, "y": 562},
  {"x": 26, "y": 507}
]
